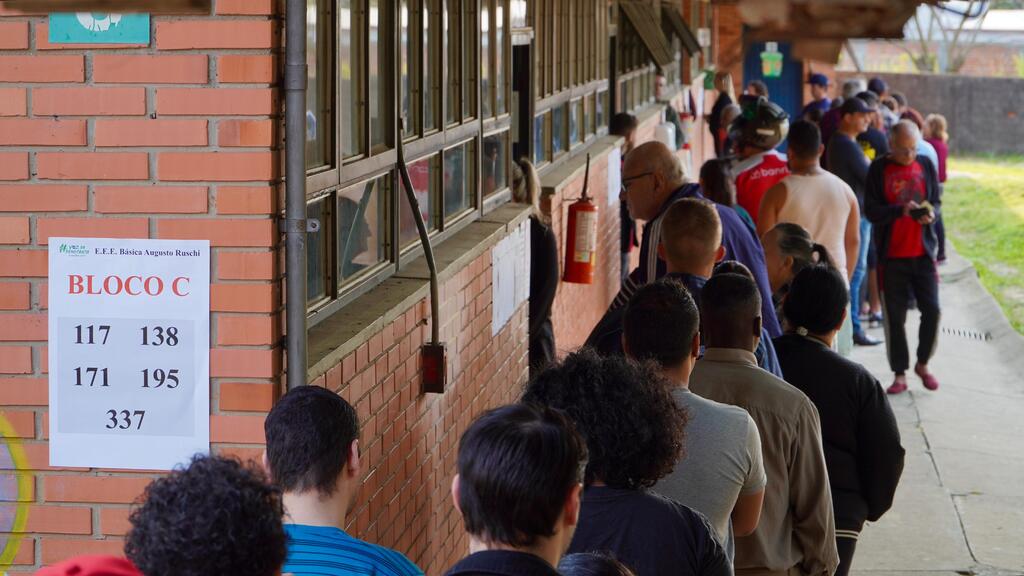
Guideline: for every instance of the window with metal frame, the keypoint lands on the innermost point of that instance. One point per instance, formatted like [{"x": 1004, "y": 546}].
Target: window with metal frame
[{"x": 421, "y": 58}]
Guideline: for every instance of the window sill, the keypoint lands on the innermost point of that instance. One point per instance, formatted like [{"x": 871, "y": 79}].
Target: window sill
[{"x": 348, "y": 328}]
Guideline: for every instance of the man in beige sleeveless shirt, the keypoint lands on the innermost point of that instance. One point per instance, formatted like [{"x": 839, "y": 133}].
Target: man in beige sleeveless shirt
[{"x": 815, "y": 199}]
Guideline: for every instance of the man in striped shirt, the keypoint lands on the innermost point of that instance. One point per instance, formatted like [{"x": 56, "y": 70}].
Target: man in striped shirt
[{"x": 313, "y": 456}]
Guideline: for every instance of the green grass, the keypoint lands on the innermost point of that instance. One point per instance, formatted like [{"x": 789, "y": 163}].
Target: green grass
[{"x": 983, "y": 207}]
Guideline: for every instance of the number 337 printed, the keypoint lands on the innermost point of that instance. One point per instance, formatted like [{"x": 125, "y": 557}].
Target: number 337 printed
[{"x": 123, "y": 420}]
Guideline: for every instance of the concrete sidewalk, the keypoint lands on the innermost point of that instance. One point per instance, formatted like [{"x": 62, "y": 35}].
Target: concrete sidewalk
[{"x": 960, "y": 505}]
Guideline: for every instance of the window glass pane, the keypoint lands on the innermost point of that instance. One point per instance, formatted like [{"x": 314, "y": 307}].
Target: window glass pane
[
  {"x": 430, "y": 63},
  {"x": 423, "y": 174},
  {"x": 518, "y": 17},
  {"x": 316, "y": 254},
  {"x": 485, "y": 59},
  {"x": 558, "y": 130},
  {"x": 575, "y": 114},
  {"x": 600, "y": 107},
  {"x": 539, "y": 138},
  {"x": 378, "y": 72},
  {"x": 406, "y": 71},
  {"x": 349, "y": 40},
  {"x": 318, "y": 108},
  {"x": 499, "y": 58},
  {"x": 471, "y": 64},
  {"x": 362, "y": 232},
  {"x": 494, "y": 164},
  {"x": 459, "y": 180},
  {"x": 453, "y": 66}
]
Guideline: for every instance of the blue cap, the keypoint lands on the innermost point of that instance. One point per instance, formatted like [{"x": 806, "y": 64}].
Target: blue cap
[{"x": 818, "y": 79}]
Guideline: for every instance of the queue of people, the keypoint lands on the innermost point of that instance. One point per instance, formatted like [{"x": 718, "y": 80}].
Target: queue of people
[{"x": 709, "y": 427}]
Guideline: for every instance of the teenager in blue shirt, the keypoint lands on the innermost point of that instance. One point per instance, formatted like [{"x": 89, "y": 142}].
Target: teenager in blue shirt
[{"x": 313, "y": 456}]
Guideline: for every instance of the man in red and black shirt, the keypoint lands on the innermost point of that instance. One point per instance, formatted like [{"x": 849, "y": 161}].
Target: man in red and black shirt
[{"x": 902, "y": 201}]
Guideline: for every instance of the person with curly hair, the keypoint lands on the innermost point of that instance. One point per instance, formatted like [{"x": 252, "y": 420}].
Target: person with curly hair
[
  {"x": 634, "y": 432},
  {"x": 313, "y": 456},
  {"x": 796, "y": 533},
  {"x": 215, "y": 517},
  {"x": 518, "y": 488}
]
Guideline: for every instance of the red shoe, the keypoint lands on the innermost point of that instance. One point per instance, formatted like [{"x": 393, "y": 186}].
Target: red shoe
[
  {"x": 898, "y": 385},
  {"x": 926, "y": 377}
]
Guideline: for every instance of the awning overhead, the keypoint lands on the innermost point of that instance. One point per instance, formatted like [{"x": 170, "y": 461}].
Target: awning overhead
[
  {"x": 825, "y": 19},
  {"x": 152, "y": 6},
  {"x": 671, "y": 13},
  {"x": 641, "y": 15}
]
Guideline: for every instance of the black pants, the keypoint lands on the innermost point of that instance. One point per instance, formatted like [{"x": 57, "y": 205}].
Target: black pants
[
  {"x": 846, "y": 547},
  {"x": 900, "y": 278}
]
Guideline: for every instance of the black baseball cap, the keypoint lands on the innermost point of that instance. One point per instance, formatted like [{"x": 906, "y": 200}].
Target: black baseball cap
[
  {"x": 878, "y": 86},
  {"x": 855, "y": 106}
]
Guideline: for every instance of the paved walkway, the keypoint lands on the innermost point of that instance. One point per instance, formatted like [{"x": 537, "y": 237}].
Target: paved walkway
[{"x": 960, "y": 505}]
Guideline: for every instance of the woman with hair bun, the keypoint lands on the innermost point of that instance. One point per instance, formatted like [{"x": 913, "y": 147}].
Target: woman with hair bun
[
  {"x": 858, "y": 429},
  {"x": 592, "y": 564},
  {"x": 788, "y": 249}
]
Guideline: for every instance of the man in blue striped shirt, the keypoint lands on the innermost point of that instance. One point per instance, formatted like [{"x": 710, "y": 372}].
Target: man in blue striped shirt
[{"x": 313, "y": 456}]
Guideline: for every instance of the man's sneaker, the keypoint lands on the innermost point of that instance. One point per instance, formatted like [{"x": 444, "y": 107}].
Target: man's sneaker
[
  {"x": 898, "y": 386},
  {"x": 929, "y": 380},
  {"x": 875, "y": 320},
  {"x": 862, "y": 339}
]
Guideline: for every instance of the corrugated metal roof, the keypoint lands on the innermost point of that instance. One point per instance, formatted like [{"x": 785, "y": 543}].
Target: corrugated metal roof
[
  {"x": 641, "y": 15},
  {"x": 671, "y": 13}
]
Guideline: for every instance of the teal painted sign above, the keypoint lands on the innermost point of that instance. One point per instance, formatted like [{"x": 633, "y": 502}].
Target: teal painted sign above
[{"x": 99, "y": 28}]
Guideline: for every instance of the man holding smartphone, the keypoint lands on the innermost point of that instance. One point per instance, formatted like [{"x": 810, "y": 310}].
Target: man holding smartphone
[{"x": 902, "y": 202}]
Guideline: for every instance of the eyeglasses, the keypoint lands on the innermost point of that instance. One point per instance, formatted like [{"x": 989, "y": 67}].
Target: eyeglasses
[{"x": 626, "y": 181}]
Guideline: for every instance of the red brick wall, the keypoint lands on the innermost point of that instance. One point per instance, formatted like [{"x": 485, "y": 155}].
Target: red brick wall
[
  {"x": 177, "y": 139},
  {"x": 409, "y": 440},
  {"x": 578, "y": 307}
]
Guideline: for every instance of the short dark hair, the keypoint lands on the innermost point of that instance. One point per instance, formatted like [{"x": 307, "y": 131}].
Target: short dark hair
[
  {"x": 660, "y": 322},
  {"x": 817, "y": 299},
  {"x": 760, "y": 88},
  {"x": 622, "y": 123},
  {"x": 732, "y": 267},
  {"x": 730, "y": 301},
  {"x": 517, "y": 465},
  {"x": 869, "y": 97},
  {"x": 804, "y": 139},
  {"x": 309, "y": 432},
  {"x": 900, "y": 98},
  {"x": 217, "y": 516},
  {"x": 633, "y": 427},
  {"x": 716, "y": 182},
  {"x": 592, "y": 564}
]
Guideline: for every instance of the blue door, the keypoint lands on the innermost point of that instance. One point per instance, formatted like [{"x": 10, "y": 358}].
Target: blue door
[{"x": 787, "y": 90}]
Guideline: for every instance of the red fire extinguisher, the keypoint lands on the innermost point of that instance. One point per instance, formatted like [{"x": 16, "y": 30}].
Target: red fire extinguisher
[{"x": 581, "y": 237}]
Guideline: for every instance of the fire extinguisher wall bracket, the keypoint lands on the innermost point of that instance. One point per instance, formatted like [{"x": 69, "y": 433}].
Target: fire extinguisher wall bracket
[{"x": 581, "y": 237}]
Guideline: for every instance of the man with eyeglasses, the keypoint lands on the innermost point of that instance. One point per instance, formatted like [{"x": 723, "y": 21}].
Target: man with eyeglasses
[
  {"x": 902, "y": 202},
  {"x": 653, "y": 180}
]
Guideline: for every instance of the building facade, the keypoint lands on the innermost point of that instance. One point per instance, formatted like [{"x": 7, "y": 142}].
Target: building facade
[{"x": 181, "y": 137}]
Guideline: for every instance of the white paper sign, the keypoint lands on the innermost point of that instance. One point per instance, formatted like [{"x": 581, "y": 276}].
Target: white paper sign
[
  {"x": 510, "y": 276},
  {"x": 129, "y": 345},
  {"x": 614, "y": 176}
]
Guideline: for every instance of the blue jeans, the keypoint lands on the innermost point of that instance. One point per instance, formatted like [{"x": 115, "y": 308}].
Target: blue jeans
[{"x": 859, "y": 273}]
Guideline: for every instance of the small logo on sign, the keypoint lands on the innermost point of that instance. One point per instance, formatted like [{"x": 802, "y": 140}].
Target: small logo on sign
[{"x": 74, "y": 249}]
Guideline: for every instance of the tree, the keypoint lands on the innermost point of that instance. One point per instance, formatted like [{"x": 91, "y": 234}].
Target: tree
[{"x": 957, "y": 32}]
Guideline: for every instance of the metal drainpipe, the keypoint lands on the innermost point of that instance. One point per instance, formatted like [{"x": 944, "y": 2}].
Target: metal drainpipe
[{"x": 295, "y": 190}]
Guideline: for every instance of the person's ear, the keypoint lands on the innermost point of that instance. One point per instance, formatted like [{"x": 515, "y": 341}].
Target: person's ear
[
  {"x": 821, "y": 149},
  {"x": 720, "y": 253},
  {"x": 842, "y": 320},
  {"x": 695, "y": 346},
  {"x": 787, "y": 263},
  {"x": 455, "y": 494},
  {"x": 661, "y": 251},
  {"x": 625, "y": 346},
  {"x": 353, "y": 464},
  {"x": 757, "y": 326},
  {"x": 571, "y": 511}
]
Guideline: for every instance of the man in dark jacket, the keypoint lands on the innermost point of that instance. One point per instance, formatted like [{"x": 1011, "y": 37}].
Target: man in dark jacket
[
  {"x": 858, "y": 429},
  {"x": 902, "y": 202},
  {"x": 518, "y": 488}
]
